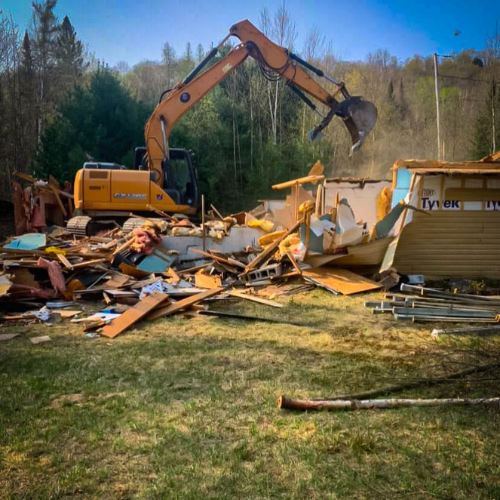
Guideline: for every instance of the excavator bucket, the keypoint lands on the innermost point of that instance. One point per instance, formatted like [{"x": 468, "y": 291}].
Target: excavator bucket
[
  {"x": 359, "y": 117},
  {"x": 363, "y": 115}
]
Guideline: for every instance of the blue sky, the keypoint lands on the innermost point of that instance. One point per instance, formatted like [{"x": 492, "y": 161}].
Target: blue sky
[{"x": 135, "y": 30}]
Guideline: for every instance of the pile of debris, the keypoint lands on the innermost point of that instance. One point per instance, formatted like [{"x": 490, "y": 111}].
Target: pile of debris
[
  {"x": 45, "y": 274},
  {"x": 419, "y": 304}
]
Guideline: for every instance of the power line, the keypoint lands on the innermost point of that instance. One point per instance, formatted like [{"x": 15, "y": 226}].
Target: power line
[{"x": 470, "y": 79}]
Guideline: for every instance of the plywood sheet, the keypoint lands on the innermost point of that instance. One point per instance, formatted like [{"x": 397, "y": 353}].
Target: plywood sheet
[
  {"x": 203, "y": 280},
  {"x": 133, "y": 315},
  {"x": 339, "y": 280}
]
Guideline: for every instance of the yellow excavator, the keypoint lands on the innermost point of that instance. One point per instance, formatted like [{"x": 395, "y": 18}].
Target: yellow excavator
[{"x": 163, "y": 179}]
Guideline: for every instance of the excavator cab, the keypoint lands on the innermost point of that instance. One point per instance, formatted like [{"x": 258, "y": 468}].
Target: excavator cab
[{"x": 178, "y": 173}]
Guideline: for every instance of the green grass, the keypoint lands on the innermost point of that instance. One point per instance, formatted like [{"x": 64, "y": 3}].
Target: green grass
[{"x": 186, "y": 409}]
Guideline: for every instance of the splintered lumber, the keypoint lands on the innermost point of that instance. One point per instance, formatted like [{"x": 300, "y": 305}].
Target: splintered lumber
[
  {"x": 203, "y": 280},
  {"x": 369, "y": 404},
  {"x": 133, "y": 315},
  {"x": 338, "y": 280},
  {"x": 253, "y": 298},
  {"x": 272, "y": 247},
  {"x": 67, "y": 264},
  {"x": 183, "y": 304},
  {"x": 171, "y": 273}
]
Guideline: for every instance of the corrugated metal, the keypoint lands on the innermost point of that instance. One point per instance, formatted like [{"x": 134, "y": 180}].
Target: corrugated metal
[{"x": 451, "y": 244}]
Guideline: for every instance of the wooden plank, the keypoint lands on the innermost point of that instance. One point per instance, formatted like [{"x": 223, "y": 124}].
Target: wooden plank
[
  {"x": 70, "y": 207},
  {"x": 272, "y": 247},
  {"x": 215, "y": 257},
  {"x": 254, "y": 298},
  {"x": 202, "y": 280},
  {"x": 133, "y": 271},
  {"x": 302, "y": 180},
  {"x": 59, "y": 201},
  {"x": 66, "y": 263},
  {"x": 116, "y": 281},
  {"x": 235, "y": 262},
  {"x": 88, "y": 263},
  {"x": 182, "y": 304},
  {"x": 24, "y": 177},
  {"x": 133, "y": 315},
  {"x": 216, "y": 212},
  {"x": 291, "y": 258},
  {"x": 340, "y": 280},
  {"x": 171, "y": 273}
]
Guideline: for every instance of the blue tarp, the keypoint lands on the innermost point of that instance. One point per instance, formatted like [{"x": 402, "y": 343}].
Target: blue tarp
[{"x": 30, "y": 241}]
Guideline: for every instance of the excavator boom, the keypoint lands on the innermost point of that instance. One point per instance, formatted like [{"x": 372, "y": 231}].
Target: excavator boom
[{"x": 358, "y": 115}]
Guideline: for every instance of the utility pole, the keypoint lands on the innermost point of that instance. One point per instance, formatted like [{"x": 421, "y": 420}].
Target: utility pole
[
  {"x": 437, "y": 106},
  {"x": 493, "y": 124}
]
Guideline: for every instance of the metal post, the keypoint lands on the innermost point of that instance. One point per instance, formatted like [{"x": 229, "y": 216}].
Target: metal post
[
  {"x": 203, "y": 220},
  {"x": 439, "y": 155}
]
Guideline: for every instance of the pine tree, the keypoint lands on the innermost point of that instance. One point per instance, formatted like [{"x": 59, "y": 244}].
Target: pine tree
[
  {"x": 44, "y": 33},
  {"x": 27, "y": 118},
  {"x": 26, "y": 56},
  {"x": 68, "y": 54},
  {"x": 169, "y": 61},
  {"x": 102, "y": 121},
  {"x": 188, "y": 55},
  {"x": 200, "y": 53}
]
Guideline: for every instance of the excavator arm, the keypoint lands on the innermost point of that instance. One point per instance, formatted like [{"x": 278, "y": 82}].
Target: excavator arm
[{"x": 359, "y": 116}]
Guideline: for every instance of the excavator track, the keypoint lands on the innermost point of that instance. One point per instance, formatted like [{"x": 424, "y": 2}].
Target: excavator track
[
  {"x": 135, "y": 222},
  {"x": 79, "y": 225}
]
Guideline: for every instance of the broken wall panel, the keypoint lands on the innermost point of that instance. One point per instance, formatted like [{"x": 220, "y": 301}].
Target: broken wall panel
[
  {"x": 451, "y": 244},
  {"x": 362, "y": 195}
]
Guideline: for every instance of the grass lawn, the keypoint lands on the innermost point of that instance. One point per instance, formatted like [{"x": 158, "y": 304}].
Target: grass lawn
[{"x": 186, "y": 409}]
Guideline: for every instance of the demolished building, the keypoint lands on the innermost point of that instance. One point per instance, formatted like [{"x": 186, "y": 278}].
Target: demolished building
[{"x": 459, "y": 235}]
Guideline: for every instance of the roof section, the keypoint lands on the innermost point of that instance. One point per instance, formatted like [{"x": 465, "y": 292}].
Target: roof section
[{"x": 487, "y": 165}]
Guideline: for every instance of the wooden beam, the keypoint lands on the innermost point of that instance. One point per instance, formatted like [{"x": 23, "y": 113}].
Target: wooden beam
[
  {"x": 271, "y": 248},
  {"x": 133, "y": 315},
  {"x": 291, "y": 258},
  {"x": 183, "y": 304},
  {"x": 253, "y": 298},
  {"x": 67, "y": 264},
  {"x": 302, "y": 180},
  {"x": 58, "y": 199},
  {"x": 88, "y": 263}
]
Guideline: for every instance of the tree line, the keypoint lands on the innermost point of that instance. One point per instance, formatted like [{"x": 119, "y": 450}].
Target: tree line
[{"x": 60, "y": 106}]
